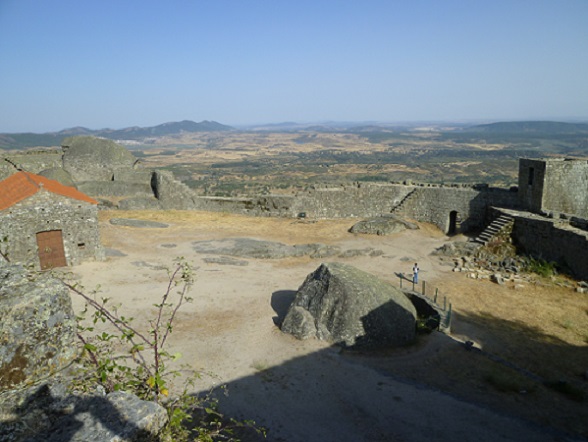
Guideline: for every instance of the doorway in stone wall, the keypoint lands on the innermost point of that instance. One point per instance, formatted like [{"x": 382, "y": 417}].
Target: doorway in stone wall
[
  {"x": 454, "y": 222},
  {"x": 51, "y": 251}
]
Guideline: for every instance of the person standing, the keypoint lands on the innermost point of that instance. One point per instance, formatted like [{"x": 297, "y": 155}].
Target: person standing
[{"x": 415, "y": 273}]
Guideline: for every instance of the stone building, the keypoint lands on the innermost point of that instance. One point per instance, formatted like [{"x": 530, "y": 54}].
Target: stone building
[
  {"x": 554, "y": 185},
  {"x": 47, "y": 224}
]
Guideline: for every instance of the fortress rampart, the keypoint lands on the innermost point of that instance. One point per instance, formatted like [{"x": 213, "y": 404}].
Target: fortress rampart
[{"x": 552, "y": 193}]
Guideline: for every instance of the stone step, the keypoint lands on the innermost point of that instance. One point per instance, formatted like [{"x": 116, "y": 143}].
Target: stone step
[{"x": 494, "y": 228}]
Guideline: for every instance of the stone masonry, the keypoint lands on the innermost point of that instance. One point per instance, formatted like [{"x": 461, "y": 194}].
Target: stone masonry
[{"x": 46, "y": 211}]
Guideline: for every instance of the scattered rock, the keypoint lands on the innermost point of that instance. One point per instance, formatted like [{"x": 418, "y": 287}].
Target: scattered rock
[
  {"x": 497, "y": 278},
  {"x": 342, "y": 304}
]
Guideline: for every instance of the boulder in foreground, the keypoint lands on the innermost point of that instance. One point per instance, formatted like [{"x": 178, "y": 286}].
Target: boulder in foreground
[
  {"x": 344, "y": 305},
  {"x": 37, "y": 329}
]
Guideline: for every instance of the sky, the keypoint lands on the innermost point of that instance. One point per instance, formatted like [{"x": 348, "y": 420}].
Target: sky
[{"x": 119, "y": 63}]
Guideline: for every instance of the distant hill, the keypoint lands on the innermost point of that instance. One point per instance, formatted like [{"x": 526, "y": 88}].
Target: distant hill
[
  {"x": 531, "y": 127},
  {"x": 21, "y": 140}
]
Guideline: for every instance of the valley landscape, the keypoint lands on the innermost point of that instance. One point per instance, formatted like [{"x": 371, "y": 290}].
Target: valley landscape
[{"x": 526, "y": 373}]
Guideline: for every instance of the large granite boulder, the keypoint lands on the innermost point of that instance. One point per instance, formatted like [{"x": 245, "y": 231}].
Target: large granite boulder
[
  {"x": 58, "y": 174},
  {"x": 344, "y": 305},
  {"x": 94, "y": 159},
  {"x": 382, "y": 225},
  {"x": 38, "y": 326}
]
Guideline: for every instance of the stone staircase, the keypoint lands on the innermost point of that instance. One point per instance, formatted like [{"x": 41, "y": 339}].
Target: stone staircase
[
  {"x": 398, "y": 208},
  {"x": 495, "y": 227}
]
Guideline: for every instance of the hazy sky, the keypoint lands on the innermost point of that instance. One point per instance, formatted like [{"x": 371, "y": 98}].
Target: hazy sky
[{"x": 121, "y": 63}]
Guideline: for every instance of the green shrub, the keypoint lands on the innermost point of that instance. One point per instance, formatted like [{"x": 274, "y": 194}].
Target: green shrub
[{"x": 542, "y": 267}]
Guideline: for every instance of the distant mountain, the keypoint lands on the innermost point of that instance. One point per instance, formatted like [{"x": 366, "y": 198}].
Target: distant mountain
[
  {"x": 531, "y": 127},
  {"x": 20, "y": 140},
  {"x": 186, "y": 126}
]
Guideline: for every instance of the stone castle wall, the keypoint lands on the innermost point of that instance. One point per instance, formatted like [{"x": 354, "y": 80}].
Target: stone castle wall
[
  {"x": 359, "y": 200},
  {"x": 566, "y": 187},
  {"x": 45, "y": 211},
  {"x": 554, "y": 185},
  {"x": 552, "y": 240}
]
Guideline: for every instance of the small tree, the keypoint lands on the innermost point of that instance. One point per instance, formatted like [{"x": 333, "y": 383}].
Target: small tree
[{"x": 127, "y": 359}]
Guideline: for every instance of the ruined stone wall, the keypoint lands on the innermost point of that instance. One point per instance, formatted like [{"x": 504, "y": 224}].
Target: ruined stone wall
[
  {"x": 469, "y": 205},
  {"x": 171, "y": 193},
  {"x": 423, "y": 203},
  {"x": 359, "y": 200},
  {"x": 566, "y": 187},
  {"x": 552, "y": 240},
  {"x": 46, "y": 211}
]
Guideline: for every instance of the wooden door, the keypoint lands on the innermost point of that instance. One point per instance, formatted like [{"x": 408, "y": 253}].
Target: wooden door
[{"x": 51, "y": 252}]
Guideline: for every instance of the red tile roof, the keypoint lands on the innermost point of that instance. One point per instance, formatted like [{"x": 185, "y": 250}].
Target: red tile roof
[{"x": 22, "y": 185}]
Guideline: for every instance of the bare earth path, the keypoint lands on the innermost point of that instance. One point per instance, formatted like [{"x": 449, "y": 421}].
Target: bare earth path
[{"x": 299, "y": 390}]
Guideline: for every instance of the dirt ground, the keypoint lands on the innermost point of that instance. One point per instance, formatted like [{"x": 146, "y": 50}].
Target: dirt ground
[{"x": 310, "y": 390}]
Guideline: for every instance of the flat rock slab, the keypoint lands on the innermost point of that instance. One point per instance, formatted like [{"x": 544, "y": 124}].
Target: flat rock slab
[
  {"x": 253, "y": 248},
  {"x": 226, "y": 261},
  {"x": 127, "y": 222}
]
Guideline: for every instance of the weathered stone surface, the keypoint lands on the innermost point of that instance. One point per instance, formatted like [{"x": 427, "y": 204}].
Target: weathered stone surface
[
  {"x": 382, "y": 225},
  {"x": 137, "y": 223},
  {"x": 58, "y": 174},
  {"x": 342, "y": 304},
  {"x": 226, "y": 261},
  {"x": 369, "y": 251},
  {"x": 38, "y": 327},
  {"x": 94, "y": 159},
  {"x": 46, "y": 211},
  {"x": 139, "y": 203},
  {"x": 252, "y": 248},
  {"x": 49, "y": 413}
]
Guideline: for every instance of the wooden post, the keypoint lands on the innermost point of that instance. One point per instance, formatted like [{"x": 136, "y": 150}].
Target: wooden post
[{"x": 424, "y": 291}]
